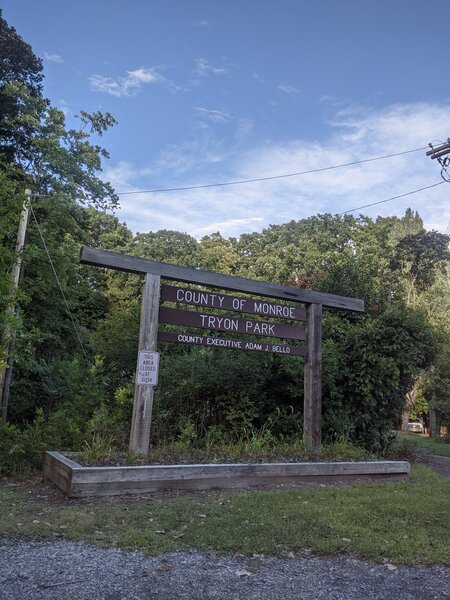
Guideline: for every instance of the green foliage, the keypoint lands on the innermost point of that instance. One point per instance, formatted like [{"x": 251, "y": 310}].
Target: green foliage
[
  {"x": 403, "y": 448},
  {"x": 438, "y": 445},
  {"x": 22, "y": 451},
  {"x": 17, "y": 60},
  {"x": 344, "y": 450},
  {"x": 12, "y": 451},
  {"x": 218, "y": 254},
  {"x": 53, "y": 158},
  {"x": 375, "y": 361},
  {"x": 370, "y": 361},
  {"x": 166, "y": 246},
  {"x": 188, "y": 432},
  {"x": 17, "y": 64},
  {"x": 421, "y": 256},
  {"x": 98, "y": 448}
]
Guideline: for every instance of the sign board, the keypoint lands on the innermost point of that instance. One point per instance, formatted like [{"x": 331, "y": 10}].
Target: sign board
[
  {"x": 186, "y": 295},
  {"x": 231, "y": 324},
  {"x": 216, "y": 342},
  {"x": 147, "y": 368}
]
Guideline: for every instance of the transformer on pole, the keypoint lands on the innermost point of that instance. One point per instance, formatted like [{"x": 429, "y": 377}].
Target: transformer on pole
[{"x": 438, "y": 153}]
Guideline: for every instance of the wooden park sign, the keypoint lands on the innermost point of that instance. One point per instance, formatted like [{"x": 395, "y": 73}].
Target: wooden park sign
[{"x": 151, "y": 314}]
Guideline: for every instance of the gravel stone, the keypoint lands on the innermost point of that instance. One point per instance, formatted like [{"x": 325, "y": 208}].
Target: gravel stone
[{"x": 62, "y": 570}]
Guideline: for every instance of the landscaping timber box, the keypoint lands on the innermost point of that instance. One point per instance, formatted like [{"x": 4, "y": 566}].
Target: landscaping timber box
[{"x": 78, "y": 481}]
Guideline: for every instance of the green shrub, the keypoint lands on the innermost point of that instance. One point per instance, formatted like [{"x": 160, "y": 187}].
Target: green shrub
[
  {"x": 12, "y": 450},
  {"x": 105, "y": 423},
  {"x": 22, "y": 451},
  {"x": 188, "y": 432},
  {"x": 98, "y": 448},
  {"x": 403, "y": 449}
]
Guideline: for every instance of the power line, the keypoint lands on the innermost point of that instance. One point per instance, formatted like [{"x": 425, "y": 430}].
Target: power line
[
  {"x": 242, "y": 181},
  {"x": 393, "y": 198},
  {"x": 447, "y": 231},
  {"x": 77, "y": 333}
]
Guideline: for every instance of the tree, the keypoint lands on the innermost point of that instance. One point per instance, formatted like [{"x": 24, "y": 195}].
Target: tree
[
  {"x": 17, "y": 60},
  {"x": 52, "y": 158},
  {"x": 62, "y": 167},
  {"x": 420, "y": 257},
  {"x": 218, "y": 254},
  {"x": 17, "y": 64}
]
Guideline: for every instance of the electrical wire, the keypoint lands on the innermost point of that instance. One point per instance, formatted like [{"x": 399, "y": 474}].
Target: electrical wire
[
  {"x": 447, "y": 231},
  {"x": 269, "y": 178},
  {"x": 77, "y": 333},
  {"x": 392, "y": 198}
]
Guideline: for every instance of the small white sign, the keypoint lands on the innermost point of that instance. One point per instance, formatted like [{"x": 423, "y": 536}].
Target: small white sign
[{"x": 147, "y": 368}]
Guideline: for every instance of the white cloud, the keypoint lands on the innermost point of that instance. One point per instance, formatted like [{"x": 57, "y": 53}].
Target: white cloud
[
  {"x": 228, "y": 226},
  {"x": 125, "y": 86},
  {"x": 199, "y": 23},
  {"x": 203, "y": 68},
  {"x": 354, "y": 134},
  {"x": 55, "y": 58},
  {"x": 288, "y": 89},
  {"x": 217, "y": 116},
  {"x": 64, "y": 107},
  {"x": 332, "y": 100}
]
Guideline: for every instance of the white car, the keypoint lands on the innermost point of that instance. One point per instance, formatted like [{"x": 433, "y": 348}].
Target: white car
[{"x": 415, "y": 427}]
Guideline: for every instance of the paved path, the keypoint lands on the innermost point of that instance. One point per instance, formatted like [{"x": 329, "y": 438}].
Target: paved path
[
  {"x": 440, "y": 464},
  {"x": 77, "y": 571}
]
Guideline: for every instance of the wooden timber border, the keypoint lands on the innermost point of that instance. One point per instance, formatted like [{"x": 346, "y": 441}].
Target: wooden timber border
[{"x": 77, "y": 481}]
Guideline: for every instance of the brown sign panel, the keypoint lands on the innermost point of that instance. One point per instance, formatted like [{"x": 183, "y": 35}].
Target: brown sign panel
[
  {"x": 215, "y": 342},
  {"x": 231, "y": 324},
  {"x": 187, "y": 295}
]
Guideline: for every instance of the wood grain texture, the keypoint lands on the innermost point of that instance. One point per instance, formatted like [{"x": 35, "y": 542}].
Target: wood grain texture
[
  {"x": 230, "y": 344},
  {"x": 195, "y": 297},
  {"x": 58, "y": 469},
  {"x": 134, "y": 264},
  {"x": 203, "y": 320},
  {"x": 312, "y": 429},
  {"x": 104, "y": 481},
  {"x": 143, "y": 395}
]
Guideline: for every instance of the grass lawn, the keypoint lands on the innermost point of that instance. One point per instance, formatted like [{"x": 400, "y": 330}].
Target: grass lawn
[
  {"x": 405, "y": 523},
  {"x": 432, "y": 445}
]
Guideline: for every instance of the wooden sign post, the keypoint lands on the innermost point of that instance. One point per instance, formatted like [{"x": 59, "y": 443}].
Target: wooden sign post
[
  {"x": 312, "y": 401},
  {"x": 153, "y": 271},
  {"x": 143, "y": 395}
]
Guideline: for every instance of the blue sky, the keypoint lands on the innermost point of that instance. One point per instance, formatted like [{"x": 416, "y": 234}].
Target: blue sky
[{"x": 222, "y": 90}]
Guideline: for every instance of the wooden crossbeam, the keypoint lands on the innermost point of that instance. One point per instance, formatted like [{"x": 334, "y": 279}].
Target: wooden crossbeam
[{"x": 135, "y": 264}]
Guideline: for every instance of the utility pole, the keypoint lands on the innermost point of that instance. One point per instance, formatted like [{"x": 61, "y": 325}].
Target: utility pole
[
  {"x": 438, "y": 154},
  {"x": 10, "y": 333}
]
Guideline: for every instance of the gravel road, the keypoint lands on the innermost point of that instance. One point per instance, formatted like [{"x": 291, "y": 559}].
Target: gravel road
[{"x": 77, "y": 571}]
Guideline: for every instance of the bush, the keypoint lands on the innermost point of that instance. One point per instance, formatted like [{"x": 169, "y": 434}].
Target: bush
[
  {"x": 22, "y": 451},
  {"x": 12, "y": 450},
  {"x": 403, "y": 449}
]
